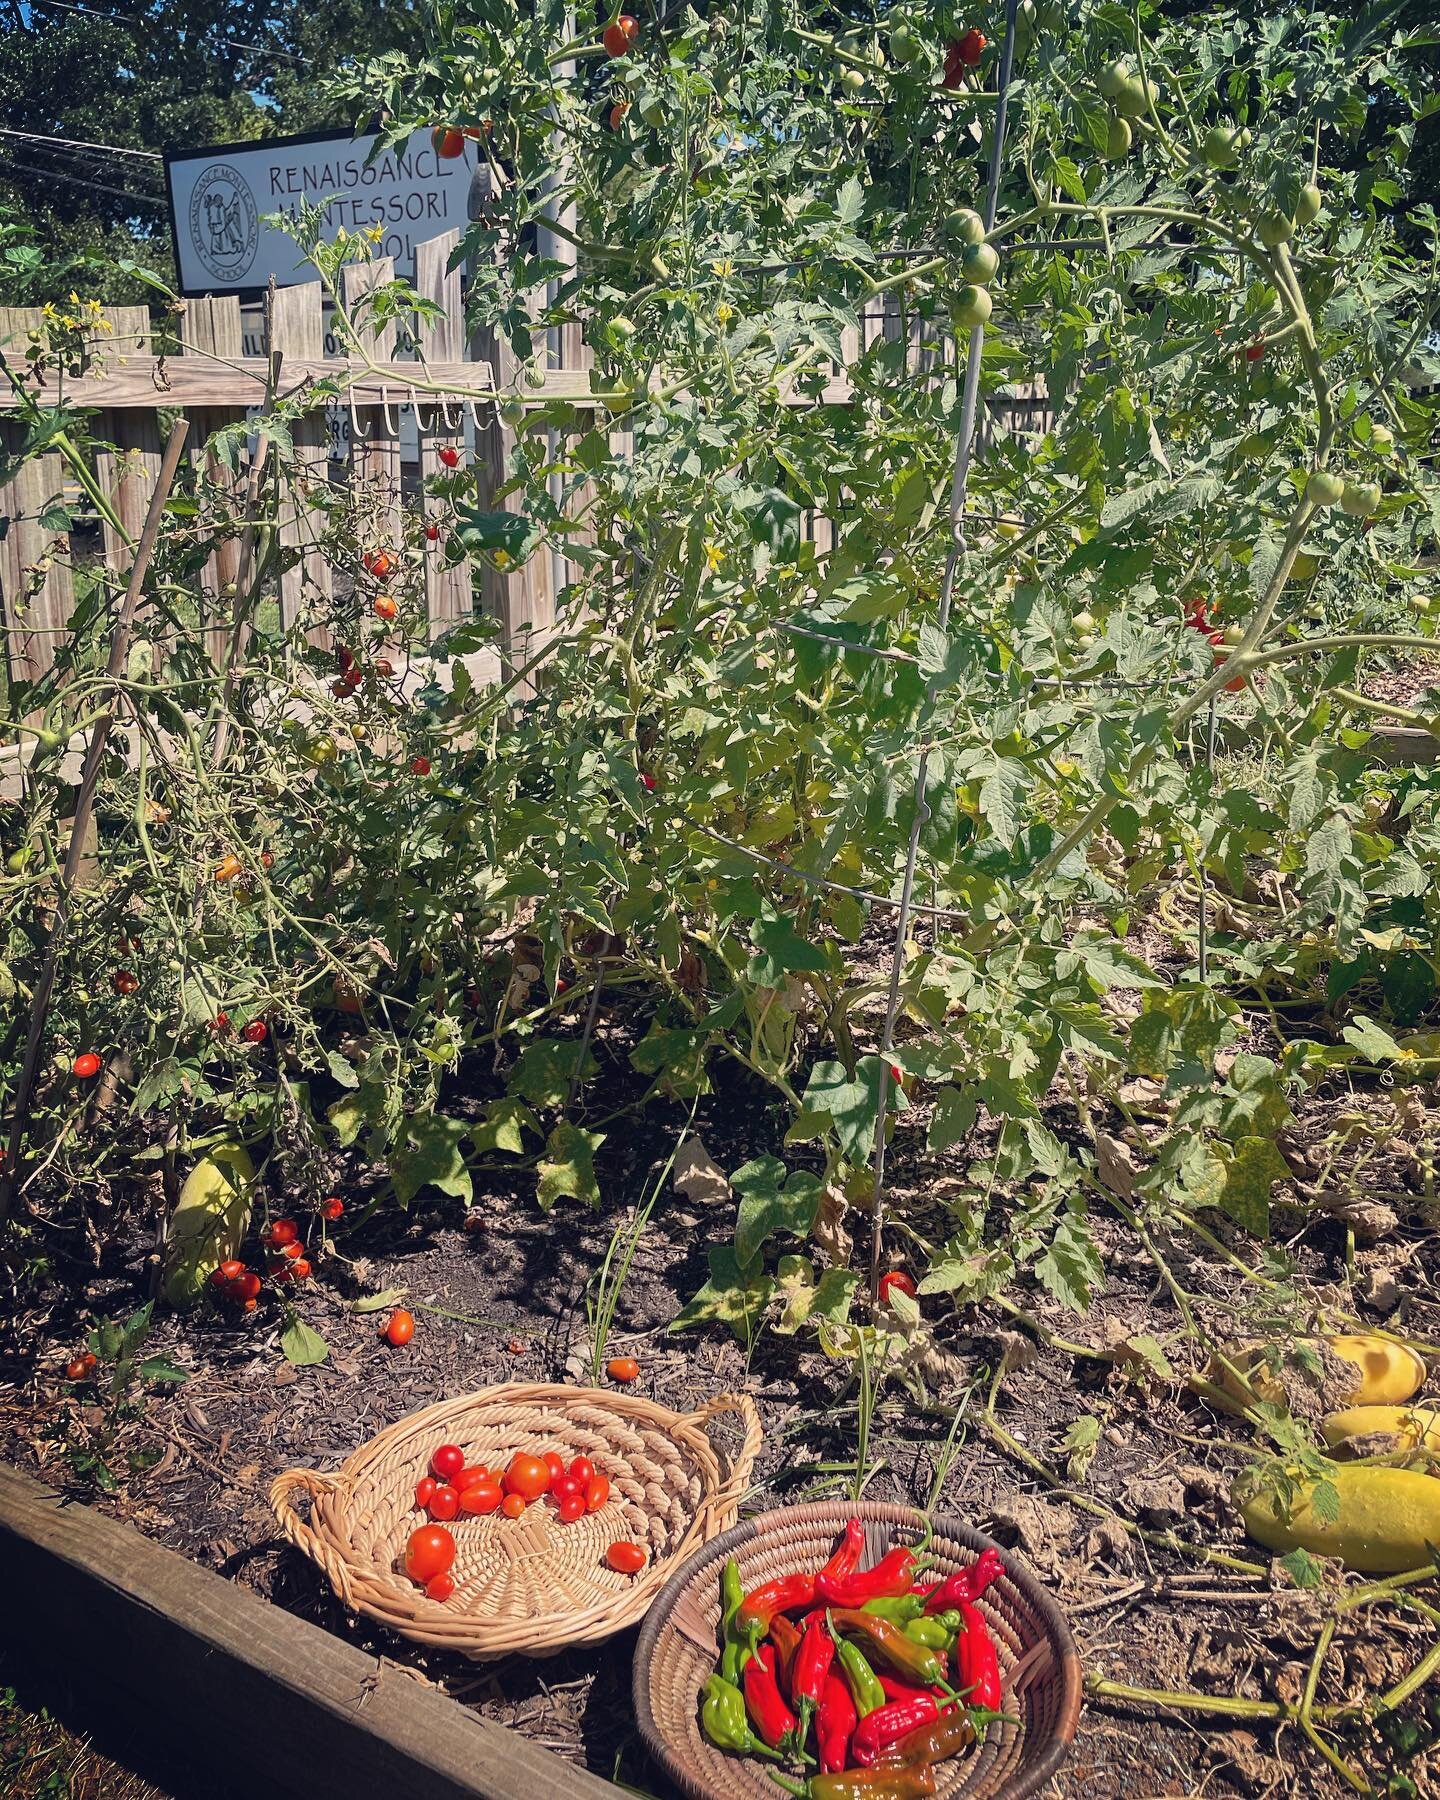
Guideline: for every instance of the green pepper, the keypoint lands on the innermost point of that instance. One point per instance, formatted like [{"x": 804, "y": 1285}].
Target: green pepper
[
  {"x": 929, "y": 1632},
  {"x": 864, "y": 1683},
  {"x": 724, "y": 1722},
  {"x": 737, "y": 1652},
  {"x": 898, "y": 1608}
]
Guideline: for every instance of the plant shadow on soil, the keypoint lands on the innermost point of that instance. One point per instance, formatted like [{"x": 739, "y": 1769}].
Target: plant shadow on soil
[{"x": 515, "y": 1279}]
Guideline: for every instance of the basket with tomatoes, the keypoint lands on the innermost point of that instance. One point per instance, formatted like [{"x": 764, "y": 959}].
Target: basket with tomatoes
[
  {"x": 520, "y": 1519},
  {"x": 856, "y": 1653}
]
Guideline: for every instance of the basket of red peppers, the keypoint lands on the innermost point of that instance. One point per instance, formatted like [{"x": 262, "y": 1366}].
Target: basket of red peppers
[{"x": 865, "y": 1652}]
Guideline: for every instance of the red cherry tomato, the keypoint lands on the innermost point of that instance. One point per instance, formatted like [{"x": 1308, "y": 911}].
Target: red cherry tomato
[
  {"x": 429, "y": 1553},
  {"x": 432, "y": 534},
  {"x": 480, "y": 1497},
  {"x": 332, "y": 1208},
  {"x": 301, "y": 1269},
  {"x": 620, "y": 38},
  {"x": 447, "y": 141},
  {"x": 439, "y": 1587},
  {"x": 125, "y": 981},
  {"x": 447, "y": 1462},
  {"x": 385, "y": 607},
  {"x": 1253, "y": 352},
  {"x": 527, "y": 1476},
  {"x": 282, "y": 1232},
  {"x": 582, "y": 1469},
  {"x": 469, "y": 1475},
  {"x": 444, "y": 1503},
  {"x": 230, "y": 1271},
  {"x": 894, "y": 1279},
  {"x": 555, "y": 1463},
  {"x": 85, "y": 1066},
  {"x": 647, "y": 781},
  {"x": 513, "y": 1505},
  {"x": 617, "y": 114},
  {"x": 449, "y": 455},
  {"x": 622, "y": 1368},
  {"x": 571, "y": 1508},
  {"x": 254, "y": 1032},
  {"x": 597, "y": 1492},
  {"x": 79, "y": 1368},
  {"x": 971, "y": 47},
  {"x": 419, "y": 765},
  {"x": 564, "y": 1487},
  {"x": 384, "y": 668},
  {"x": 625, "y": 1558},
  {"x": 399, "y": 1328},
  {"x": 425, "y": 1490}
]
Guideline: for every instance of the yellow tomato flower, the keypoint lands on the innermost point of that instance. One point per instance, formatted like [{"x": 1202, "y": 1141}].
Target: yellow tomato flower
[
  {"x": 723, "y": 267},
  {"x": 724, "y": 313},
  {"x": 714, "y": 556},
  {"x": 375, "y": 233}
]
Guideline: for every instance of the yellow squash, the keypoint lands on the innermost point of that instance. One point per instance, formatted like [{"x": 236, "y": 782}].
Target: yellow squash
[
  {"x": 1388, "y": 1518},
  {"x": 1386, "y": 1373},
  {"x": 1413, "y": 1426},
  {"x": 209, "y": 1221}
]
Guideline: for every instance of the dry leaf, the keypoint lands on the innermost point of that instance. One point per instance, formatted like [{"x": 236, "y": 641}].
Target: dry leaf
[
  {"x": 1115, "y": 1164},
  {"x": 697, "y": 1176}
]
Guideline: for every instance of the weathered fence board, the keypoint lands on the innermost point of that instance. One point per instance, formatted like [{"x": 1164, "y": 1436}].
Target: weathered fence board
[
  {"x": 211, "y": 329},
  {"x": 37, "y": 587},
  {"x": 449, "y": 591}
]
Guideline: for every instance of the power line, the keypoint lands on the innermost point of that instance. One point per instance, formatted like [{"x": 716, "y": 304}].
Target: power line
[
  {"x": 40, "y": 137},
  {"x": 100, "y": 187},
  {"x": 130, "y": 19}
]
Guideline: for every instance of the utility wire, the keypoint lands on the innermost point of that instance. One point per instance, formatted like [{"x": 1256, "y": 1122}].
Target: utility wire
[
  {"x": 99, "y": 187},
  {"x": 40, "y": 137},
  {"x": 130, "y": 19}
]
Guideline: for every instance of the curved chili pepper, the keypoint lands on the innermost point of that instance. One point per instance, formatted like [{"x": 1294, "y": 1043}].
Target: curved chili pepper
[
  {"x": 772, "y": 1718},
  {"x": 722, "y": 1718},
  {"x": 977, "y": 1663},
  {"x": 835, "y": 1723},
  {"x": 904, "y": 1783},
  {"x": 789, "y": 1593},
  {"x": 906, "y": 1690},
  {"x": 901, "y": 1608},
  {"x": 878, "y": 1730},
  {"x": 735, "y": 1653},
  {"x": 948, "y": 1736},
  {"x": 864, "y": 1684},
  {"x": 811, "y": 1666},
  {"x": 966, "y": 1584},
  {"x": 784, "y": 1634},
  {"x": 892, "y": 1575},
  {"x": 914, "y": 1662},
  {"x": 845, "y": 1559}
]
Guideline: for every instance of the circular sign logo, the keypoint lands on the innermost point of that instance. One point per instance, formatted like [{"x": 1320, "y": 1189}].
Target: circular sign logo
[{"x": 224, "y": 222}]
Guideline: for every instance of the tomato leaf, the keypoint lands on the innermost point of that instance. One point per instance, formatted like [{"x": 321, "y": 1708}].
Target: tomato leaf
[
  {"x": 727, "y": 1298},
  {"x": 567, "y": 1169},
  {"x": 302, "y": 1345},
  {"x": 429, "y": 1156},
  {"x": 770, "y": 1203}
]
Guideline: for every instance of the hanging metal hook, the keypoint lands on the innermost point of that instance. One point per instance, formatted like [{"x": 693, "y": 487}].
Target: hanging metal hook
[
  {"x": 357, "y": 435},
  {"x": 392, "y": 426}
]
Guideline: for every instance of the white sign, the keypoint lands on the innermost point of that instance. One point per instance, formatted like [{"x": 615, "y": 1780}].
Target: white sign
[{"x": 220, "y": 199}]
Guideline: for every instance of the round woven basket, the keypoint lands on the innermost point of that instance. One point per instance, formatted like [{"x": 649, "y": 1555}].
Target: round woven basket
[
  {"x": 532, "y": 1585},
  {"x": 680, "y": 1645}
]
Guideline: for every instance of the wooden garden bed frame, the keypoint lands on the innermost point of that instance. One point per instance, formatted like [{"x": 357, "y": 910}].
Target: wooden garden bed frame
[{"x": 190, "y": 1672}]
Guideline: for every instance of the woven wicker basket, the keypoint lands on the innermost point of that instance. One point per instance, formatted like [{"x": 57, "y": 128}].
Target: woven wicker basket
[
  {"x": 679, "y": 1647},
  {"x": 527, "y": 1586}
]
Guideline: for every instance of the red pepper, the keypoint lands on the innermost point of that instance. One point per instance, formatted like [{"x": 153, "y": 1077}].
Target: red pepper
[
  {"x": 977, "y": 1664},
  {"x": 835, "y": 1724},
  {"x": 773, "y": 1720},
  {"x": 891, "y": 1575},
  {"x": 878, "y": 1730},
  {"x": 907, "y": 1690},
  {"x": 811, "y": 1666},
  {"x": 951, "y": 1734},
  {"x": 846, "y": 1558},
  {"x": 789, "y": 1593},
  {"x": 966, "y": 1585}
]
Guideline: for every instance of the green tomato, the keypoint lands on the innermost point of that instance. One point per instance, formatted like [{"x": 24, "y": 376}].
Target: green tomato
[
  {"x": 1419, "y": 603},
  {"x": 1382, "y": 438},
  {"x": 1253, "y": 447},
  {"x": 18, "y": 861},
  {"x": 1308, "y": 203},
  {"x": 1136, "y": 97},
  {"x": 512, "y": 414},
  {"x": 852, "y": 80},
  {"x": 1083, "y": 623},
  {"x": 972, "y": 307},
  {"x": 904, "y": 45},
  {"x": 1274, "y": 229},
  {"x": 979, "y": 264},
  {"x": 1305, "y": 567},
  {"x": 1118, "y": 138},
  {"x": 1324, "y": 487},
  {"x": 1221, "y": 146},
  {"x": 966, "y": 225},
  {"x": 1112, "y": 78},
  {"x": 622, "y": 327},
  {"x": 1361, "y": 499},
  {"x": 1234, "y": 634},
  {"x": 320, "y": 751}
]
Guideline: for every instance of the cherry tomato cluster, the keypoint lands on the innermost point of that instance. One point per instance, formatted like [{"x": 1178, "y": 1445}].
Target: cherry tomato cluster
[
  {"x": 232, "y": 1281},
  {"x": 288, "y": 1261},
  {"x": 963, "y": 53},
  {"x": 1197, "y": 617},
  {"x": 452, "y": 1487}
]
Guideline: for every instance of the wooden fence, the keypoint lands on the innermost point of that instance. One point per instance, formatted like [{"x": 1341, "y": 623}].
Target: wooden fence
[{"x": 381, "y": 419}]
